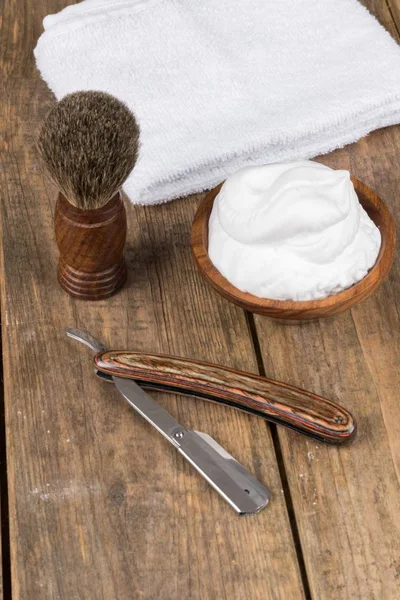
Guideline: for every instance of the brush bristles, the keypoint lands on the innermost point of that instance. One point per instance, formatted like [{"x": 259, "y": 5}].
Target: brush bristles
[{"x": 88, "y": 145}]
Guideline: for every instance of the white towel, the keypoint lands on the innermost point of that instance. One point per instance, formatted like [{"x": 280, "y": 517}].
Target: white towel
[{"x": 219, "y": 84}]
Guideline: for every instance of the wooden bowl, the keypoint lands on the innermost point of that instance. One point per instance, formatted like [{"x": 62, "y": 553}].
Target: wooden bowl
[{"x": 309, "y": 309}]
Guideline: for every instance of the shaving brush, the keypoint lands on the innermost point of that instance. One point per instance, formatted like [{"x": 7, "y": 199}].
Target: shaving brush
[{"x": 88, "y": 145}]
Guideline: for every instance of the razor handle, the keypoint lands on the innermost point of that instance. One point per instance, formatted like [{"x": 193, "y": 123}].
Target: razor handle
[{"x": 282, "y": 404}]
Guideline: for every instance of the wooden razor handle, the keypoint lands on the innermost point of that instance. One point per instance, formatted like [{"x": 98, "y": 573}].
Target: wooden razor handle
[{"x": 283, "y": 404}]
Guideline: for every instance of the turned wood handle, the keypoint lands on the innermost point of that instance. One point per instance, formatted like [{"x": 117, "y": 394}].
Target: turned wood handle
[
  {"x": 91, "y": 244},
  {"x": 284, "y": 404}
]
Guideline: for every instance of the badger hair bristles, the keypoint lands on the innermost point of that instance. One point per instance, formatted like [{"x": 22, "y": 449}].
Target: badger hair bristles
[{"x": 88, "y": 145}]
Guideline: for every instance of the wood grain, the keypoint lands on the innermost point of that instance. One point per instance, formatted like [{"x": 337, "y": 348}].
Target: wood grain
[
  {"x": 101, "y": 507},
  {"x": 347, "y": 502},
  {"x": 91, "y": 243},
  {"x": 284, "y": 405},
  {"x": 394, "y": 10},
  {"x": 310, "y": 309}
]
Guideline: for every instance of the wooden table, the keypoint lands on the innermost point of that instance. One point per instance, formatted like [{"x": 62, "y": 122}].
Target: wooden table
[{"x": 95, "y": 504}]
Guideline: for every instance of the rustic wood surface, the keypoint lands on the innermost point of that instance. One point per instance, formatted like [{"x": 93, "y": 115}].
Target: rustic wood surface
[
  {"x": 309, "y": 309},
  {"x": 347, "y": 503},
  {"x": 100, "y": 506},
  {"x": 394, "y": 13}
]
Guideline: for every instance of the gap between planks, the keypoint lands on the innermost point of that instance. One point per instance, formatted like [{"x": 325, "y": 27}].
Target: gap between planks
[
  {"x": 280, "y": 462},
  {"x": 393, "y": 7}
]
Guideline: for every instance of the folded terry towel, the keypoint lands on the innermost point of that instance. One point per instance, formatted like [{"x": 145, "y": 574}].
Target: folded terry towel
[{"x": 217, "y": 85}]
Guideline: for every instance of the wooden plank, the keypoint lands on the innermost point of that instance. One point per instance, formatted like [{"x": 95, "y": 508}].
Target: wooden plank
[
  {"x": 4, "y": 526},
  {"x": 347, "y": 500},
  {"x": 101, "y": 507},
  {"x": 380, "y": 9},
  {"x": 394, "y": 9}
]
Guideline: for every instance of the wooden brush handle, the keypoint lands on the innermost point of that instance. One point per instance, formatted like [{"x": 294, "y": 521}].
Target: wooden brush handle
[
  {"x": 284, "y": 404},
  {"x": 91, "y": 244}
]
